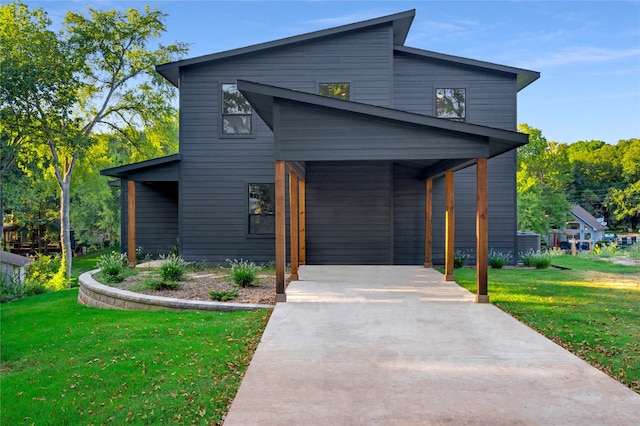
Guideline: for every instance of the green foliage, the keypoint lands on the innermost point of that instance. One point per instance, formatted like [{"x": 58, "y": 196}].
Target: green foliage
[
  {"x": 173, "y": 269},
  {"x": 43, "y": 273},
  {"x": 243, "y": 272},
  {"x": 102, "y": 359},
  {"x": 537, "y": 259},
  {"x": 460, "y": 258},
  {"x": 223, "y": 295},
  {"x": 497, "y": 259},
  {"x": 606, "y": 250},
  {"x": 11, "y": 288},
  {"x": 113, "y": 265}
]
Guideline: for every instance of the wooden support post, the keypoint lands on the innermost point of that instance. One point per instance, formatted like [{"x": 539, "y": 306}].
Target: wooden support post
[
  {"x": 302, "y": 224},
  {"x": 131, "y": 220},
  {"x": 293, "y": 223},
  {"x": 449, "y": 227},
  {"x": 428, "y": 225},
  {"x": 482, "y": 231},
  {"x": 280, "y": 232}
]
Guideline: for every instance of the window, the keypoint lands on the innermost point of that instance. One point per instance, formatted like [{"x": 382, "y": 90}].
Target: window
[
  {"x": 261, "y": 209},
  {"x": 335, "y": 90},
  {"x": 451, "y": 104},
  {"x": 236, "y": 112}
]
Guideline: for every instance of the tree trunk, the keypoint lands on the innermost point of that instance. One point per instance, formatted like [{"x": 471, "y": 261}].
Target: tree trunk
[{"x": 65, "y": 227}]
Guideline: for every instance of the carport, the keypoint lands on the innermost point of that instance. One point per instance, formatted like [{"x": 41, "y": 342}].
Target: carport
[{"x": 313, "y": 128}]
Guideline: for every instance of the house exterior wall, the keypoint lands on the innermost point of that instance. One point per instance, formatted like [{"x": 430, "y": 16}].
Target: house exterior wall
[{"x": 216, "y": 170}]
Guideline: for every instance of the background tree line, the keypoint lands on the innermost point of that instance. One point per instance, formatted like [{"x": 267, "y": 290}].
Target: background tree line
[{"x": 604, "y": 179}]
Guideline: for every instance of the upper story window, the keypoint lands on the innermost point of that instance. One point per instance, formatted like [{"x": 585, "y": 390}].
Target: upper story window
[
  {"x": 236, "y": 112},
  {"x": 451, "y": 104},
  {"x": 261, "y": 209},
  {"x": 335, "y": 90}
]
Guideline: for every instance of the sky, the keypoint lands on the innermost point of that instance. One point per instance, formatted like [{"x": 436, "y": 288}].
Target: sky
[{"x": 588, "y": 52}]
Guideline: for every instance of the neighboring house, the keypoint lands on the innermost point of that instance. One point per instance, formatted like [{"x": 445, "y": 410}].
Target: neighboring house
[
  {"x": 370, "y": 131},
  {"x": 13, "y": 268},
  {"x": 583, "y": 227}
]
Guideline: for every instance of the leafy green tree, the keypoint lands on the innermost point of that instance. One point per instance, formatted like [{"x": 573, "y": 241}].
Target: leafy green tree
[
  {"x": 542, "y": 177},
  {"x": 99, "y": 74},
  {"x": 625, "y": 200}
]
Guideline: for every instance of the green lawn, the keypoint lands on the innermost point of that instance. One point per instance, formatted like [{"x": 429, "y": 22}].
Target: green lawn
[
  {"x": 62, "y": 363},
  {"x": 593, "y": 309}
]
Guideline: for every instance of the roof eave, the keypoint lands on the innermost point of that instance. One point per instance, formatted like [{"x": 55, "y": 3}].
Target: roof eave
[
  {"x": 401, "y": 24},
  {"x": 123, "y": 171}
]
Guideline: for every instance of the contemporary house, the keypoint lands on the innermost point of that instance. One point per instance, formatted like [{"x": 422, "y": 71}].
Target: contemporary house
[
  {"x": 340, "y": 146},
  {"x": 582, "y": 227}
]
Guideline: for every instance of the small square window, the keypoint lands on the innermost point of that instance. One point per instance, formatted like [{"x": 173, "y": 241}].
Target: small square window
[
  {"x": 261, "y": 209},
  {"x": 451, "y": 104},
  {"x": 236, "y": 112},
  {"x": 335, "y": 90}
]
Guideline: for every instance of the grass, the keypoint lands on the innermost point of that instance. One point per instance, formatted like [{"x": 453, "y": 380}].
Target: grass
[
  {"x": 593, "y": 309},
  {"x": 70, "y": 364}
]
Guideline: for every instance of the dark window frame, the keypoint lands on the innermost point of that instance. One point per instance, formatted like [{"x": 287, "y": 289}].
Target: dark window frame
[
  {"x": 437, "y": 96},
  {"x": 223, "y": 115},
  {"x": 250, "y": 215},
  {"x": 327, "y": 83}
]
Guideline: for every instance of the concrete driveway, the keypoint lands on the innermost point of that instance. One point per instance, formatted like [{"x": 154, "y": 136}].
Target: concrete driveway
[{"x": 395, "y": 345}]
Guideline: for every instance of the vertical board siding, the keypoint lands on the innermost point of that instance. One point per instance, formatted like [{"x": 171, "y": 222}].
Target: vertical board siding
[
  {"x": 348, "y": 213},
  {"x": 408, "y": 216}
]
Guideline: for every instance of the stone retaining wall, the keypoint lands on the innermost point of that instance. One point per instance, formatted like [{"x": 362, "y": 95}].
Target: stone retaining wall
[{"x": 92, "y": 293}]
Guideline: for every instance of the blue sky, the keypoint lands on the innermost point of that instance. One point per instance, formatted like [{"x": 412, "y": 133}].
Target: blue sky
[{"x": 588, "y": 52}]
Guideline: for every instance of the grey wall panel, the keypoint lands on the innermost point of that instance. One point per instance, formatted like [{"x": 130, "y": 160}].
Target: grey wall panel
[
  {"x": 156, "y": 217},
  {"x": 408, "y": 216},
  {"x": 490, "y": 96},
  {"x": 348, "y": 213}
]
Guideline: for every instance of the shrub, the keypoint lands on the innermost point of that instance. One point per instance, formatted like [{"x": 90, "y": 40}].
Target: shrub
[
  {"x": 11, "y": 288},
  {"x": 223, "y": 295},
  {"x": 112, "y": 266},
  {"x": 173, "y": 269},
  {"x": 602, "y": 249},
  {"x": 497, "y": 259},
  {"x": 156, "y": 284},
  {"x": 42, "y": 274},
  {"x": 460, "y": 258},
  {"x": 555, "y": 251},
  {"x": 537, "y": 259},
  {"x": 243, "y": 272}
]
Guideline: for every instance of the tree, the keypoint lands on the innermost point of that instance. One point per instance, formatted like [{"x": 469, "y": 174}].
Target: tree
[
  {"x": 103, "y": 79},
  {"x": 542, "y": 177},
  {"x": 625, "y": 200}
]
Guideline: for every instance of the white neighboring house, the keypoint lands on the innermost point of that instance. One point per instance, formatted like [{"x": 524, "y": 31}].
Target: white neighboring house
[
  {"x": 12, "y": 267},
  {"x": 585, "y": 228}
]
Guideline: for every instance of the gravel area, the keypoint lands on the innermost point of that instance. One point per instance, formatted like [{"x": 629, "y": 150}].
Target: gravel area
[{"x": 197, "y": 286}]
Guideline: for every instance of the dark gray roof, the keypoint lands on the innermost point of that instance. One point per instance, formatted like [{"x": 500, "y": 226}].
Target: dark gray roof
[
  {"x": 580, "y": 213},
  {"x": 13, "y": 259},
  {"x": 123, "y": 171},
  {"x": 261, "y": 97},
  {"x": 524, "y": 77},
  {"x": 401, "y": 23}
]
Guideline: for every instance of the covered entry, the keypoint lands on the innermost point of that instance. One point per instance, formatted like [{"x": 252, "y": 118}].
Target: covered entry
[{"x": 317, "y": 140}]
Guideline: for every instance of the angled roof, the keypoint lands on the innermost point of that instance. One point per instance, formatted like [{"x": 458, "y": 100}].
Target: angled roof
[
  {"x": 587, "y": 218},
  {"x": 261, "y": 97},
  {"x": 401, "y": 23},
  {"x": 123, "y": 172},
  {"x": 13, "y": 259},
  {"x": 524, "y": 77}
]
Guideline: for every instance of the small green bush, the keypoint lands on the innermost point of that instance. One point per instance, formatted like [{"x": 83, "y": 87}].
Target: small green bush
[
  {"x": 223, "y": 295},
  {"x": 173, "y": 269},
  {"x": 112, "y": 266},
  {"x": 243, "y": 272},
  {"x": 537, "y": 259},
  {"x": 460, "y": 258},
  {"x": 555, "y": 251},
  {"x": 156, "y": 284},
  {"x": 497, "y": 259},
  {"x": 42, "y": 274},
  {"x": 11, "y": 288}
]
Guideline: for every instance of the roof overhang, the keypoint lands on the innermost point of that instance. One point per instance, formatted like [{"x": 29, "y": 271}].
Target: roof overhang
[
  {"x": 401, "y": 23},
  {"x": 127, "y": 170},
  {"x": 523, "y": 77},
  {"x": 366, "y": 132}
]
